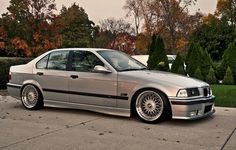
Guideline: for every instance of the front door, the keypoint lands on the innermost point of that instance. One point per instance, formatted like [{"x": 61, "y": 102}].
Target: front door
[{"x": 88, "y": 87}]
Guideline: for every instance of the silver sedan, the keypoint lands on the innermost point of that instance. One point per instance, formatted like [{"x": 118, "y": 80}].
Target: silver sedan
[{"x": 108, "y": 81}]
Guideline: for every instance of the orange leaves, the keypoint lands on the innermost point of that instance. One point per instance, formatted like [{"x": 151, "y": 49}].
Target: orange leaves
[
  {"x": 43, "y": 42},
  {"x": 124, "y": 42},
  {"x": 36, "y": 36},
  {"x": 226, "y": 9},
  {"x": 142, "y": 44},
  {"x": 3, "y": 35},
  {"x": 181, "y": 43},
  {"x": 222, "y": 5},
  {"x": 209, "y": 18},
  {"x": 30, "y": 28},
  {"x": 48, "y": 45},
  {"x": 21, "y": 45},
  {"x": 2, "y": 45}
]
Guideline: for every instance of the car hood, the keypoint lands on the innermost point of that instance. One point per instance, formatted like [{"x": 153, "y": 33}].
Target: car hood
[{"x": 165, "y": 78}]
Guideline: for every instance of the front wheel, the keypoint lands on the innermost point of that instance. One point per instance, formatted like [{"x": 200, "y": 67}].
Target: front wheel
[
  {"x": 151, "y": 106},
  {"x": 31, "y": 97}
]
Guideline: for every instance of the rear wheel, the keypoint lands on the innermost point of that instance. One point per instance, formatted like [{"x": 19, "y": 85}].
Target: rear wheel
[
  {"x": 31, "y": 97},
  {"x": 151, "y": 106}
]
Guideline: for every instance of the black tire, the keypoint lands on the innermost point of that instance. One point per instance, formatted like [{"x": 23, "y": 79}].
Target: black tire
[
  {"x": 151, "y": 106},
  {"x": 31, "y": 97}
]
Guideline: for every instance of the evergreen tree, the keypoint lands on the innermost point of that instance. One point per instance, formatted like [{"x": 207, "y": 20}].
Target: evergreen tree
[
  {"x": 198, "y": 74},
  {"x": 157, "y": 55},
  {"x": 194, "y": 60},
  {"x": 211, "y": 78},
  {"x": 221, "y": 69},
  {"x": 177, "y": 64},
  {"x": 214, "y": 35},
  {"x": 76, "y": 29},
  {"x": 228, "y": 78},
  {"x": 206, "y": 62},
  {"x": 181, "y": 70},
  {"x": 198, "y": 58},
  {"x": 229, "y": 59},
  {"x": 190, "y": 50},
  {"x": 152, "y": 60}
]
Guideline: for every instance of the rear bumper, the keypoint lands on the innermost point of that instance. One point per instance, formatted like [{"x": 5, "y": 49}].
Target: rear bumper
[
  {"x": 191, "y": 109},
  {"x": 14, "y": 90}
]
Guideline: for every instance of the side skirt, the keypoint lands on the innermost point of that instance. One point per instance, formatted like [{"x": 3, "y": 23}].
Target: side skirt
[{"x": 101, "y": 109}]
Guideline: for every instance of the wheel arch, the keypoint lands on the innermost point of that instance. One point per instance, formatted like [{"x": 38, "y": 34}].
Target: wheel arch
[
  {"x": 132, "y": 102},
  {"x": 34, "y": 83}
]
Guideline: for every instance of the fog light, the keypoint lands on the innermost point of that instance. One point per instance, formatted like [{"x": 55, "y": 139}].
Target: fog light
[{"x": 193, "y": 113}]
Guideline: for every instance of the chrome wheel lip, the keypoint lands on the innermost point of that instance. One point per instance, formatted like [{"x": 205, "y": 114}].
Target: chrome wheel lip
[
  {"x": 29, "y": 96},
  {"x": 149, "y": 109}
]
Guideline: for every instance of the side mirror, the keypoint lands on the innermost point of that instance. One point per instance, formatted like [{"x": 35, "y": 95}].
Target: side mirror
[{"x": 101, "y": 69}]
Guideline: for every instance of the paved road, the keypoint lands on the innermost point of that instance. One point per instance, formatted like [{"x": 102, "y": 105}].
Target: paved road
[{"x": 56, "y": 128}]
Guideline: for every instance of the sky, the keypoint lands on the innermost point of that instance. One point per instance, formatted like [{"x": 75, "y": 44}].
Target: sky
[{"x": 101, "y": 9}]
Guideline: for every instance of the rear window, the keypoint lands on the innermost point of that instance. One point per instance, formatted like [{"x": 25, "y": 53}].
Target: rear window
[{"x": 42, "y": 64}]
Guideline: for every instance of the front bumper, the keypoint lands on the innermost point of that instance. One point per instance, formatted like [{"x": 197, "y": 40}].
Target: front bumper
[{"x": 192, "y": 109}]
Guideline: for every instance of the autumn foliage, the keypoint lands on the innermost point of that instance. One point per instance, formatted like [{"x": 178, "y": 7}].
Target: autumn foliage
[
  {"x": 124, "y": 42},
  {"x": 32, "y": 27}
]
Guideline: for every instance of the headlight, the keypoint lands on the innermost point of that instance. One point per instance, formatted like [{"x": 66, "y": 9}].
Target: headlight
[
  {"x": 182, "y": 93},
  {"x": 190, "y": 92}
]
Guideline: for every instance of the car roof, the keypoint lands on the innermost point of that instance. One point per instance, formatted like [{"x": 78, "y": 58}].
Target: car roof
[{"x": 81, "y": 49}]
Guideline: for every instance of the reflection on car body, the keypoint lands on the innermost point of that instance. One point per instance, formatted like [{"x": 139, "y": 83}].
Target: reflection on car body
[
  {"x": 110, "y": 82},
  {"x": 144, "y": 58}
]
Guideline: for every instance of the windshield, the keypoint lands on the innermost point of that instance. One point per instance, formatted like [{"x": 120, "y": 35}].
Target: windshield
[{"x": 120, "y": 61}]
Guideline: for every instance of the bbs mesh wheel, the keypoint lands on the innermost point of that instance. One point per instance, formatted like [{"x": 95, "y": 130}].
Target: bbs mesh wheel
[
  {"x": 151, "y": 106},
  {"x": 31, "y": 97}
]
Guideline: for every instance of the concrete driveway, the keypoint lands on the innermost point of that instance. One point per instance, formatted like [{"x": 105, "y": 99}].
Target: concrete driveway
[{"x": 57, "y": 128}]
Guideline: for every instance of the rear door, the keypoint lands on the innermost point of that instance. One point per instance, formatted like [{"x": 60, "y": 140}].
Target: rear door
[
  {"x": 51, "y": 73},
  {"x": 88, "y": 87}
]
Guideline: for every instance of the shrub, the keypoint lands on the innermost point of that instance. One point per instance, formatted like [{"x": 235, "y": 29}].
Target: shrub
[
  {"x": 211, "y": 78},
  {"x": 199, "y": 58},
  {"x": 157, "y": 55},
  {"x": 228, "y": 60},
  {"x": 178, "y": 64},
  {"x": 198, "y": 74},
  {"x": 228, "y": 78},
  {"x": 220, "y": 70},
  {"x": 194, "y": 60},
  {"x": 5, "y": 64},
  {"x": 190, "y": 50},
  {"x": 206, "y": 62}
]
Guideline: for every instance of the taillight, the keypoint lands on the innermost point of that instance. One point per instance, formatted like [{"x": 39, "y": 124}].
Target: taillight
[{"x": 9, "y": 76}]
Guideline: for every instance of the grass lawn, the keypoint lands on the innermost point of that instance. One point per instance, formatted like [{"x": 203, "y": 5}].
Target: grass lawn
[{"x": 225, "y": 95}]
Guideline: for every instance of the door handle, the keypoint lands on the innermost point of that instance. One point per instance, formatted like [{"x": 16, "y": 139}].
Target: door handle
[
  {"x": 39, "y": 73},
  {"x": 74, "y": 76}
]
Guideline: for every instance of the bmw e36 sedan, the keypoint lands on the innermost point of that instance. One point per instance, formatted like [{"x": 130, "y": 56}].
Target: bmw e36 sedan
[{"x": 110, "y": 82}]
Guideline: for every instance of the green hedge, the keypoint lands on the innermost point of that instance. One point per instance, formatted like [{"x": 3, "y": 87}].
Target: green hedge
[{"x": 5, "y": 64}]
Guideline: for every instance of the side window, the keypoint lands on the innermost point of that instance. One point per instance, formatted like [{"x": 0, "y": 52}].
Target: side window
[
  {"x": 42, "y": 64},
  {"x": 58, "y": 60},
  {"x": 84, "y": 61}
]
